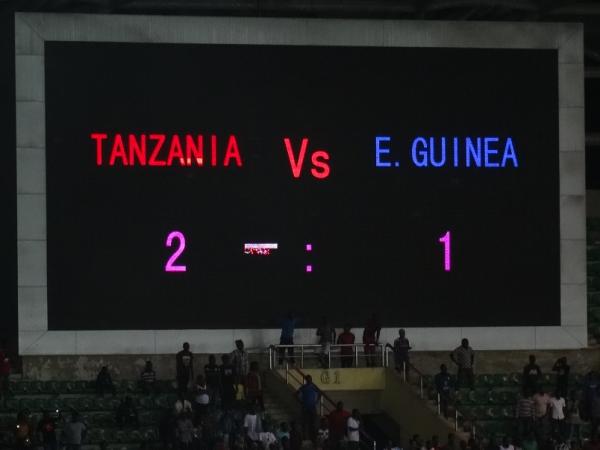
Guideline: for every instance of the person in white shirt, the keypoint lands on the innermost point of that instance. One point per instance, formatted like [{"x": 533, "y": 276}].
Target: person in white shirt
[
  {"x": 251, "y": 426},
  {"x": 353, "y": 426},
  {"x": 558, "y": 404},
  {"x": 506, "y": 445},
  {"x": 267, "y": 438}
]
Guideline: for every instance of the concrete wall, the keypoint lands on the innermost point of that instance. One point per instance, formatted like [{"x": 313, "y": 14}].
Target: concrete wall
[
  {"x": 581, "y": 361},
  {"x": 69, "y": 367},
  {"x": 401, "y": 402}
]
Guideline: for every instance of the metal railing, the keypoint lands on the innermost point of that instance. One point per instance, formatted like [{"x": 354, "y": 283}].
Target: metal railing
[
  {"x": 326, "y": 403},
  {"x": 378, "y": 356},
  {"x": 424, "y": 384}
]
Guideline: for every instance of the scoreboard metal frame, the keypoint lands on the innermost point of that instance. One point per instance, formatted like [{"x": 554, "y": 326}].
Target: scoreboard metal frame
[{"x": 32, "y": 30}]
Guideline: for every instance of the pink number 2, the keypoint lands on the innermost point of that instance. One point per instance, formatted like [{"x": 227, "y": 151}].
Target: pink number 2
[
  {"x": 445, "y": 239},
  {"x": 170, "y": 266}
]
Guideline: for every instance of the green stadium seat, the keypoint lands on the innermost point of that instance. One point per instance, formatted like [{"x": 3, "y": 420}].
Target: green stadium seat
[
  {"x": 150, "y": 434},
  {"x": 516, "y": 379},
  {"x": 51, "y": 387},
  {"x": 484, "y": 380},
  {"x": 549, "y": 379}
]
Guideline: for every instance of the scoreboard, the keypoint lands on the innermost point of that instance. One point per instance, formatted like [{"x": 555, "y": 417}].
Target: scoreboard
[
  {"x": 218, "y": 186},
  {"x": 197, "y": 178}
]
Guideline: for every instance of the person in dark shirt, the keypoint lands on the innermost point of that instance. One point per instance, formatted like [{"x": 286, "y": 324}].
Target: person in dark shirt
[
  {"x": 309, "y": 395},
  {"x": 288, "y": 326},
  {"x": 326, "y": 334},
  {"x": 400, "y": 348},
  {"x": 443, "y": 385},
  {"x": 531, "y": 375},
  {"x": 184, "y": 361},
  {"x": 104, "y": 382},
  {"x": 212, "y": 373},
  {"x": 371, "y": 339},
  {"x": 347, "y": 339},
  {"x": 47, "y": 430},
  {"x": 228, "y": 382},
  {"x": 562, "y": 370},
  {"x": 148, "y": 378}
]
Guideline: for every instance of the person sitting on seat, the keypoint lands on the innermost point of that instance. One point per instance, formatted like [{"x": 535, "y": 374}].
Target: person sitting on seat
[
  {"x": 104, "y": 382},
  {"x": 127, "y": 414},
  {"x": 148, "y": 378}
]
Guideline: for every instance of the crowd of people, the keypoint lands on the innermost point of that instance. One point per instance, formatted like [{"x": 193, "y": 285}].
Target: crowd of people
[{"x": 223, "y": 407}]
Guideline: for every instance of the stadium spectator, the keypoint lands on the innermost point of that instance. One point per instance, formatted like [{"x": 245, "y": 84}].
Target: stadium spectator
[
  {"x": 74, "y": 432},
  {"x": 4, "y": 370},
  {"x": 464, "y": 357},
  {"x": 201, "y": 398},
  {"x": 562, "y": 369},
  {"x": 239, "y": 359},
  {"x": 309, "y": 395},
  {"x": 184, "y": 364},
  {"x": 47, "y": 431},
  {"x": 283, "y": 431},
  {"x": 104, "y": 382},
  {"x": 184, "y": 431},
  {"x": 23, "y": 431},
  {"x": 267, "y": 438},
  {"x": 443, "y": 385},
  {"x": 148, "y": 378},
  {"x": 323, "y": 434},
  {"x": 182, "y": 405},
  {"x": 253, "y": 386},
  {"x": 212, "y": 373},
  {"x": 529, "y": 443},
  {"x": 228, "y": 382},
  {"x": 574, "y": 421},
  {"x": 353, "y": 430},
  {"x": 295, "y": 436},
  {"x": 347, "y": 339},
  {"x": 400, "y": 349},
  {"x": 506, "y": 445},
  {"x": 127, "y": 414},
  {"x": 288, "y": 327},
  {"x": 251, "y": 426},
  {"x": 371, "y": 334},
  {"x": 326, "y": 334},
  {"x": 542, "y": 405},
  {"x": 531, "y": 375},
  {"x": 557, "y": 410},
  {"x": 338, "y": 418},
  {"x": 525, "y": 414}
]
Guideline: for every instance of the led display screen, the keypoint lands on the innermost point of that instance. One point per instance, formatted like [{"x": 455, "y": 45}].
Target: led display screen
[{"x": 219, "y": 186}]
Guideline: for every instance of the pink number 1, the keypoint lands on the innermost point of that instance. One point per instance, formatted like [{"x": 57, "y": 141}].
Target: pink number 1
[
  {"x": 170, "y": 266},
  {"x": 445, "y": 239}
]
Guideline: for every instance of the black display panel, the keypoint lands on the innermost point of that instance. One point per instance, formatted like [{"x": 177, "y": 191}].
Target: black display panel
[{"x": 335, "y": 155}]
